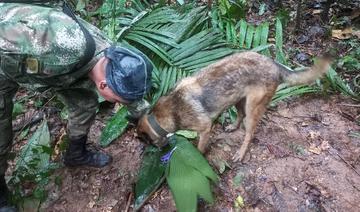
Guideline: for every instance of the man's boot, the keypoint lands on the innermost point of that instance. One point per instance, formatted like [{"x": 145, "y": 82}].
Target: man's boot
[
  {"x": 78, "y": 155},
  {"x": 4, "y": 206}
]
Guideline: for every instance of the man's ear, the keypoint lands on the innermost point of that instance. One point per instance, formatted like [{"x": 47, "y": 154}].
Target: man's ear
[{"x": 102, "y": 84}]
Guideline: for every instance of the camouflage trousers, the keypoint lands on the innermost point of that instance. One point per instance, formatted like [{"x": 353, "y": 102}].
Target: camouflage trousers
[{"x": 81, "y": 102}]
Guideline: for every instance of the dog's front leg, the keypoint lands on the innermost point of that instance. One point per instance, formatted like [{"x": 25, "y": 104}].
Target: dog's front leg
[{"x": 204, "y": 139}]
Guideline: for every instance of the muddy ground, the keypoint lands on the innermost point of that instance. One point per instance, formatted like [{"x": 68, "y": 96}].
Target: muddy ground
[{"x": 303, "y": 158}]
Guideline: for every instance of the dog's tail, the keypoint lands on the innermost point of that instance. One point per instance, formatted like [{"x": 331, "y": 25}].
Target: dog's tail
[{"x": 306, "y": 76}]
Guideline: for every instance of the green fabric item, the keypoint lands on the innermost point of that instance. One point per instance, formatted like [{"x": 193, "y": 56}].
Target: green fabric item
[{"x": 43, "y": 45}]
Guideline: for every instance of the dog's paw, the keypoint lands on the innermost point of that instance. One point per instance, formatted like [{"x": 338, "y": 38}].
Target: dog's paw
[{"x": 238, "y": 157}]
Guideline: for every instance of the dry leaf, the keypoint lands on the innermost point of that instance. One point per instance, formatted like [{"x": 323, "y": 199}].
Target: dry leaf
[
  {"x": 314, "y": 134},
  {"x": 314, "y": 149},
  {"x": 239, "y": 202},
  {"x": 91, "y": 204},
  {"x": 57, "y": 149},
  {"x": 342, "y": 34},
  {"x": 316, "y": 12},
  {"x": 324, "y": 145}
]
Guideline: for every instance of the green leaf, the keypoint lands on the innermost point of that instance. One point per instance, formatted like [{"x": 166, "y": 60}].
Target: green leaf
[
  {"x": 249, "y": 36},
  {"x": 181, "y": 2},
  {"x": 194, "y": 158},
  {"x": 242, "y": 36},
  {"x": 156, "y": 37},
  {"x": 17, "y": 109},
  {"x": 32, "y": 152},
  {"x": 115, "y": 127},
  {"x": 81, "y": 4},
  {"x": 188, "y": 175},
  {"x": 170, "y": 80},
  {"x": 151, "y": 176},
  {"x": 186, "y": 183},
  {"x": 338, "y": 84},
  {"x": 257, "y": 36},
  {"x": 232, "y": 113},
  {"x": 280, "y": 56},
  {"x": 23, "y": 134},
  {"x": 238, "y": 179},
  {"x": 264, "y": 37},
  {"x": 187, "y": 134},
  {"x": 151, "y": 45},
  {"x": 262, "y": 48},
  {"x": 285, "y": 92},
  {"x": 262, "y": 8}
]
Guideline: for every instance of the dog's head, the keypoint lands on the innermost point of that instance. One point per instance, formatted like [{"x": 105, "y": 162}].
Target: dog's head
[{"x": 149, "y": 133}]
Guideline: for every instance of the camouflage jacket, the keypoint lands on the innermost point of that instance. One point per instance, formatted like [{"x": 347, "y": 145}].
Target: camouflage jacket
[{"x": 42, "y": 45}]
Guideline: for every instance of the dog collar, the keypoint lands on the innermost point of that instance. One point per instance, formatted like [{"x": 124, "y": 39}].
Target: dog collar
[{"x": 157, "y": 128}]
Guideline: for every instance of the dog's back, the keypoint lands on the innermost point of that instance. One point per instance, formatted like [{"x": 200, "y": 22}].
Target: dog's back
[{"x": 225, "y": 82}]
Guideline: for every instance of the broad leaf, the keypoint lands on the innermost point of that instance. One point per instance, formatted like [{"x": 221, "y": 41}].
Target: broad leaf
[
  {"x": 194, "y": 158},
  {"x": 33, "y": 155},
  {"x": 188, "y": 175},
  {"x": 114, "y": 127},
  {"x": 187, "y": 134},
  {"x": 151, "y": 176}
]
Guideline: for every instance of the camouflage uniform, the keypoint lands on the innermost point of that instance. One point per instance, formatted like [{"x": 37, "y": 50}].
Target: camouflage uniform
[{"x": 40, "y": 46}]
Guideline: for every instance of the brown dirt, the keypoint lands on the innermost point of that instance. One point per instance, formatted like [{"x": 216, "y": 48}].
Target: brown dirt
[{"x": 302, "y": 159}]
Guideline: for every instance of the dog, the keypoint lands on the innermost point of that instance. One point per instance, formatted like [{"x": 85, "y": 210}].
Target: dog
[{"x": 247, "y": 80}]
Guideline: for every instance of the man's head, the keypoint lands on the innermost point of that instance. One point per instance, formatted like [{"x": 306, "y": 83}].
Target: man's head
[{"x": 122, "y": 75}]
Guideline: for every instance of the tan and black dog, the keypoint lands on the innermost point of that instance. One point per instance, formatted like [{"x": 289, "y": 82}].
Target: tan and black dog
[{"x": 247, "y": 80}]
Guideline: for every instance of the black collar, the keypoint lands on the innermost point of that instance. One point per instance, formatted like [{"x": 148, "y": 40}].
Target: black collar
[{"x": 155, "y": 125}]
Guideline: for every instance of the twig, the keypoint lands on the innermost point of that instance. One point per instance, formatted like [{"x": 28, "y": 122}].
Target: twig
[
  {"x": 347, "y": 163},
  {"x": 350, "y": 105},
  {"x": 129, "y": 202},
  {"x": 352, "y": 183}
]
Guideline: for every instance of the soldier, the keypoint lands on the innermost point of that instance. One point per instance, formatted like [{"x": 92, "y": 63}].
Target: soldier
[{"x": 48, "y": 47}]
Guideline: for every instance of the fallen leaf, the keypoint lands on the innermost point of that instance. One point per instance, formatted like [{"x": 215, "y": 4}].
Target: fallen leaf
[
  {"x": 324, "y": 145},
  {"x": 91, "y": 204},
  {"x": 221, "y": 165},
  {"x": 277, "y": 151},
  {"x": 227, "y": 148},
  {"x": 314, "y": 134},
  {"x": 238, "y": 179},
  {"x": 316, "y": 12},
  {"x": 314, "y": 149},
  {"x": 239, "y": 202},
  {"x": 342, "y": 34},
  {"x": 304, "y": 124}
]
